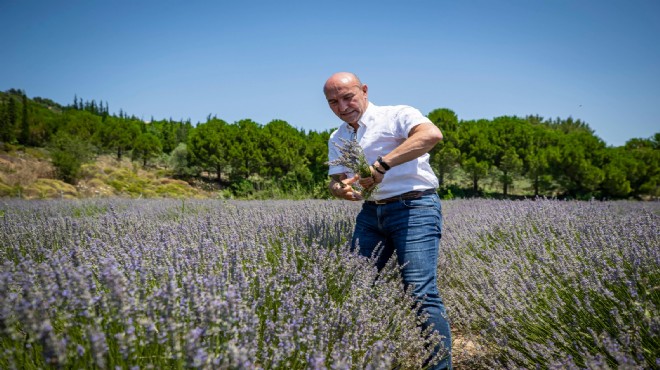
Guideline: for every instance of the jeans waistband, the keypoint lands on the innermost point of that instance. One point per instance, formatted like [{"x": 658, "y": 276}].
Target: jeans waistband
[{"x": 405, "y": 196}]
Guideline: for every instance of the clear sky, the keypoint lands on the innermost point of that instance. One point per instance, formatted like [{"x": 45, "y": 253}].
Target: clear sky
[{"x": 593, "y": 60}]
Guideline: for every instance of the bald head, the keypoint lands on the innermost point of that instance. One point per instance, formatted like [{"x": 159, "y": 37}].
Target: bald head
[
  {"x": 346, "y": 79},
  {"x": 347, "y": 96}
]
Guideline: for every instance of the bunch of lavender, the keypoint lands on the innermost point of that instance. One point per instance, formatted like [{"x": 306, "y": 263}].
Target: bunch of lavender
[{"x": 352, "y": 157}]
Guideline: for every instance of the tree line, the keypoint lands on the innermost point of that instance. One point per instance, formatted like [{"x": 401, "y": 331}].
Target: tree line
[{"x": 556, "y": 157}]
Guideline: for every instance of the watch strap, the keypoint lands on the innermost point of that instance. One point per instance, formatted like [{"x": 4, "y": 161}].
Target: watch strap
[{"x": 382, "y": 163}]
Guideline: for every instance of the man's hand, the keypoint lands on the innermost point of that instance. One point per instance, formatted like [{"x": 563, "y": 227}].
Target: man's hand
[
  {"x": 373, "y": 180},
  {"x": 343, "y": 189}
]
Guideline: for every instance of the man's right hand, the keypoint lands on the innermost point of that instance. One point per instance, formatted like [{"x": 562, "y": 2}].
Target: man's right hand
[{"x": 343, "y": 189}]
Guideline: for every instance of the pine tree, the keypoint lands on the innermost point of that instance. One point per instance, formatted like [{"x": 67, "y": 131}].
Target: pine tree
[
  {"x": 11, "y": 119},
  {"x": 104, "y": 110},
  {"x": 5, "y": 129},
  {"x": 24, "y": 136}
]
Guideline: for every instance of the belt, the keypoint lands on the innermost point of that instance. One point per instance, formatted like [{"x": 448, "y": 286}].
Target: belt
[{"x": 404, "y": 196}]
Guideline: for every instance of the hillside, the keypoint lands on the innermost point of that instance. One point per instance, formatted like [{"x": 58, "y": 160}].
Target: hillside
[
  {"x": 28, "y": 174},
  {"x": 508, "y": 156}
]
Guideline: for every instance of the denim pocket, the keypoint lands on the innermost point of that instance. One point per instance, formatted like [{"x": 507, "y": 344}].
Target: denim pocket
[{"x": 427, "y": 201}]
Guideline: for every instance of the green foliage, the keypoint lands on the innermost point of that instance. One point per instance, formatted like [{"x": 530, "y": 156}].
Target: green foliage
[
  {"x": 178, "y": 162},
  {"x": 146, "y": 146},
  {"x": 445, "y": 160},
  {"x": 578, "y": 169},
  {"x": 538, "y": 161},
  {"x": 447, "y": 121},
  {"x": 81, "y": 124},
  {"x": 68, "y": 154},
  {"x": 24, "y": 135},
  {"x": 477, "y": 170},
  {"x": 7, "y": 119},
  {"x": 476, "y": 149},
  {"x": 245, "y": 154},
  {"x": 208, "y": 145},
  {"x": 284, "y": 146},
  {"x": 531, "y": 155},
  {"x": 118, "y": 134},
  {"x": 316, "y": 151},
  {"x": 9, "y": 191},
  {"x": 643, "y": 165},
  {"x": 243, "y": 188},
  {"x": 171, "y": 133},
  {"x": 509, "y": 165},
  {"x": 619, "y": 164},
  {"x": 5, "y": 129}
]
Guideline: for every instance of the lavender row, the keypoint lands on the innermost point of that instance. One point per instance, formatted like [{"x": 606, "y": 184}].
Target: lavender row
[
  {"x": 210, "y": 284},
  {"x": 551, "y": 284},
  {"x": 195, "y": 284}
]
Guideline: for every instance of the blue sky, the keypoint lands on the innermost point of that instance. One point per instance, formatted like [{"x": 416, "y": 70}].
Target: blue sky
[{"x": 593, "y": 60}]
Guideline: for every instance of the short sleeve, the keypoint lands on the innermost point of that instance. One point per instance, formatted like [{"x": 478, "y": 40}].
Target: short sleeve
[
  {"x": 407, "y": 118},
  {"x": 333, "y": 153}
]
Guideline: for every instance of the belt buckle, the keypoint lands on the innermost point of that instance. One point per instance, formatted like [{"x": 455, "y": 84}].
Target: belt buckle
[{"x": 380, "y": 202}]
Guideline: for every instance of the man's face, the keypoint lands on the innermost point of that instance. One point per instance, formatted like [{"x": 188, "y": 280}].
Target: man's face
[{"x": 347, "y": 99}]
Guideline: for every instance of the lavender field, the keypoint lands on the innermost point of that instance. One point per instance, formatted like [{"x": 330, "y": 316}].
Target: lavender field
[{"x": 132, "y": 284}]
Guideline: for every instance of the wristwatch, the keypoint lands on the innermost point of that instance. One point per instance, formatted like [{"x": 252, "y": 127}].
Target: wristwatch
[{"x": 382, "y": 163}]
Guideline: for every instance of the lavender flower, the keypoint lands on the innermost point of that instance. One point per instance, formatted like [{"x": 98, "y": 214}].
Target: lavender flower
[{"x": 254, "y": 285}]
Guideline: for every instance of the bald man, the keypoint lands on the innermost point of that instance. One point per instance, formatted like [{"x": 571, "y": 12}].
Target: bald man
[{"x": 403, "y": 215}]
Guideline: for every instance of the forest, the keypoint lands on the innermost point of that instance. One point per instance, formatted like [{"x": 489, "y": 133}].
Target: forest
[{"x": 503, "y": 157}]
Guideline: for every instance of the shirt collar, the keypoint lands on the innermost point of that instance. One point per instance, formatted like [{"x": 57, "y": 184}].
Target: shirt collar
[
  {"x": 364, "y": 119},
  {"x": 367, "y": 115}
]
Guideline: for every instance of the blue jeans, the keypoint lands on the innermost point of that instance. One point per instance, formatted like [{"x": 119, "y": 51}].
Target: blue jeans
[{"x": 412, "y": 229}]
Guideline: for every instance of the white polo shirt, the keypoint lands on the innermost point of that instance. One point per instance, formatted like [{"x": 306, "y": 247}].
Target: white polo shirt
[{"x": 381, "y": 129}]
